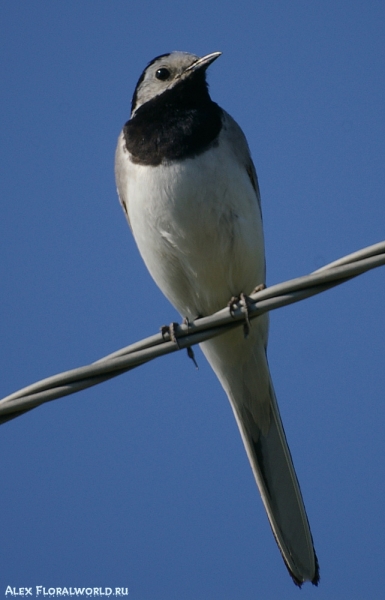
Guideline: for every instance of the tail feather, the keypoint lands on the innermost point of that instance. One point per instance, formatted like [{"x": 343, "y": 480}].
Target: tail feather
[
  {"x": 242, "y": 368},
  {"x": 274, "y": 472}
]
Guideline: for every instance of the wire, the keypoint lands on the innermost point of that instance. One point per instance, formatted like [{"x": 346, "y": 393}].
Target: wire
[{"x": 137, "y": 354}]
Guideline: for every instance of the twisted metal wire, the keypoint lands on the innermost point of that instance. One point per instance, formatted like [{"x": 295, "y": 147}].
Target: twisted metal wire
[{"x": 190, "y": 334}]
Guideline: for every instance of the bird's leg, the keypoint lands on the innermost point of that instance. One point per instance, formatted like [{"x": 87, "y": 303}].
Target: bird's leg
[
  {"x": 171, "y": 330},
  {"x": 190, "y": 351},
  {"x": 244, "y": 302},
  {"x": 190, "y": 354}
]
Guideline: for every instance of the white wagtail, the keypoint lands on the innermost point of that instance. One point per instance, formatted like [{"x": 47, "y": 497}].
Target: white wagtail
[{"x": 189, "y": 189}]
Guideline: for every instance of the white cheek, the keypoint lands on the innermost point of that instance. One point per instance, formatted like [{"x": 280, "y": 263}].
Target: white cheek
[{"x": 149, "y": 90}]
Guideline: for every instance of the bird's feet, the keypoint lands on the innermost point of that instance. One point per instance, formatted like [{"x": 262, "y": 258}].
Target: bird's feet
[
  {"x": 244, "y": 302},
  {"x": 171, "y": 330},
  {"x": 259, "y": 288},
  {"x": 190, "y": 351},
  {"x": 190, "y": 354}
]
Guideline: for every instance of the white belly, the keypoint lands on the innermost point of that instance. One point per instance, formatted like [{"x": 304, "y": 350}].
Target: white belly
[{"x": 198, "y": 227}]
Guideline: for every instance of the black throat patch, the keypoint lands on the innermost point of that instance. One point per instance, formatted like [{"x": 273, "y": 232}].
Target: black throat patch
[{"x": 182, "y": 122}]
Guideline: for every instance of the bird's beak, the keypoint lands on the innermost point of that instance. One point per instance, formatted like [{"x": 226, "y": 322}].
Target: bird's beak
[{"x": 203, "y": 63}]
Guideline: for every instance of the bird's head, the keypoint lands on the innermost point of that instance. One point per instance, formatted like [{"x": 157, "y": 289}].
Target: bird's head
[{"x": 167, "y": 72}]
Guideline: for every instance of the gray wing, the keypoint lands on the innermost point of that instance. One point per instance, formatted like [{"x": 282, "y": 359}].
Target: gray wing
[
  {"x": 121, "y": 158},
  {"x": 242, "y": 151}
]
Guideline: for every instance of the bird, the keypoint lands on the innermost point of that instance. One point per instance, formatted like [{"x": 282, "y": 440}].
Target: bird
[{"x": 189, "y": 189}]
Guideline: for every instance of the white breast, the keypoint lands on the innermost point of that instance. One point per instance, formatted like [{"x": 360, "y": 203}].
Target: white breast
[{"x": 197, "y": 224}]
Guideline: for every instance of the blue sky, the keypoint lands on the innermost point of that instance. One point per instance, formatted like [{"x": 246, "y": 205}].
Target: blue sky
[{"x": 143, "y": 482}]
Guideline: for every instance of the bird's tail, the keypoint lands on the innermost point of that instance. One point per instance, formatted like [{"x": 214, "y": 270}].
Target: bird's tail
[{"x": 241, "y": 365}]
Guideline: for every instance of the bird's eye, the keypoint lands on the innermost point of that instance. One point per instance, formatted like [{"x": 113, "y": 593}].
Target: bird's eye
[{"x": 162, "y": 74}]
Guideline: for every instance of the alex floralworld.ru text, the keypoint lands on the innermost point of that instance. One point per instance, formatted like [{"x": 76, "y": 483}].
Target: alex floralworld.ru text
[{"x": 52, "y": 592}]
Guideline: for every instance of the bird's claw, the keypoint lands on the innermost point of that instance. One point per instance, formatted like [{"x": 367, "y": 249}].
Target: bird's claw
[
  {"x": 232, "y": 304},
  {"x": 190, "y": 354},
  {"x": 259, "y": 288},
  {"x": 244, "y": 302},
  {"x": 171, "y": 331}
]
